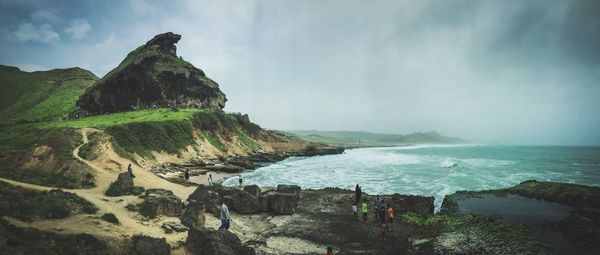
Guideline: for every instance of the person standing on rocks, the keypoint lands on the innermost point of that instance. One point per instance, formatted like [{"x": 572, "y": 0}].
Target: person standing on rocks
[
  {"x": 329, "y": 251},
  {"x": 364, "y": 208},
  {"x": 130, "y": 171},
  {"x": 377, "y": 206},
  {"x": 225, "y": 218},
  {"x": 390, "y": 216},
  {"x": 357, "y": 194},
  {"x": 355, "y": 212},
  {"x": 186, "y": 175},
  {"x": 210, "y": 181},
  {"x": 382, "y": 211},
  {"x": 240, "y": 179}
]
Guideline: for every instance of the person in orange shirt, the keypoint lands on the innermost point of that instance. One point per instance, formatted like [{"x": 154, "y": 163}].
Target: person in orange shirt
[{"x": 390, "y": 216}]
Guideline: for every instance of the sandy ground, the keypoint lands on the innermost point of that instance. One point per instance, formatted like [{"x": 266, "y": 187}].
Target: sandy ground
[{"x": 106, "y": 168}]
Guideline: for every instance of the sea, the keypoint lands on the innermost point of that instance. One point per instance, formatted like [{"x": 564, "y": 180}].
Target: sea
[{"x": 432, "y": 170}]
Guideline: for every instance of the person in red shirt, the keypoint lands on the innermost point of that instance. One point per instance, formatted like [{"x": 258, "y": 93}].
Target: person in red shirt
[{"x": 329, "y": 251}]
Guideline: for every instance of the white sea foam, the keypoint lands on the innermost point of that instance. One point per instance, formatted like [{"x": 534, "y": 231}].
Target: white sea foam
[{"x": 418, "y": 170}]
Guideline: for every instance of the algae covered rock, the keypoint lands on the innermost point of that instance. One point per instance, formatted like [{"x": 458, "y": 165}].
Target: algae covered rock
[{"x": 153, "y": 76}]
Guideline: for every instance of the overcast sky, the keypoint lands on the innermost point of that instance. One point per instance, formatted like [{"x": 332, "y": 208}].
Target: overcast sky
[{"x": 515, "y": 72}]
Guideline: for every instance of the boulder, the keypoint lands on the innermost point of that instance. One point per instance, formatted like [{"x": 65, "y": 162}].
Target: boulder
[
  {"x": 208, "y": 197},
  {"x": 206, "y": 241},
  {"x": 161, "y": 202},
  {"x": 253, "y": 190},
  {"x": 193, "y": 215},
  {"x": 175, "y": 226},
  {"x": 124, "y": 183},
  {"x": 145, "y": 245},
  {"x": 240, "y": 201}
]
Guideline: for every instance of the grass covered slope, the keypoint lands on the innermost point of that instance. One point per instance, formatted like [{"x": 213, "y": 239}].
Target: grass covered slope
[{"x": 42, "y": 95}]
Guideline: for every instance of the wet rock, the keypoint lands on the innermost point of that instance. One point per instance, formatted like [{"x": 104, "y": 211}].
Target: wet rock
[
  {"x": 145, "y": 245},
  {"x": 240, "y": 201},
  {"x": 253, "y": 190},
  {"x": 193, "y": 215},
  {"x": 290, "y": 189},
  {"x": 161, "y": 202},
  {"x": 213, "y": 242}
]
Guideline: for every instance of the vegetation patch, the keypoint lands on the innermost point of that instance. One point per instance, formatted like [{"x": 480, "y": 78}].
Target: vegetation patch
[
  {"x": 33, "y": 241},
  {"x": 141, "y": 138},
  {"x": 246, "y": 140},
  {"x": 28, "y": 205},
  {"x": 215, "y": 142},
  {"x": 109, "y": 217},
  {"x": 476, "y": 234},
  {"x": 114, "y": 191}
]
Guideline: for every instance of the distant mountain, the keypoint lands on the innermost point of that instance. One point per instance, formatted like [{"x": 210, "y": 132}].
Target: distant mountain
[
  {"x": 153, "y": 76},
  {"x": 360, "y": 138},
  {"x": 41, "y": 95}
]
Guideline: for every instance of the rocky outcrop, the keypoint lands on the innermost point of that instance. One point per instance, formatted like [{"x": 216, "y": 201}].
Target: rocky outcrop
[
  {"x": 208, "y": 197},
  {"x": 153, "y": 76},
  {"x": 145, "y": 245},
  {"x": 283, "y": 200},
  {"x": 161, "y": 202},
  {"x": 240, "y": 201},
  {"x": 206, "y": 241},
  {"x": 193, "y": 215},
  {"x": 171, "y": 226},
  {"x": 253, "y": 190},
  {"x": 124, "y": 183}
]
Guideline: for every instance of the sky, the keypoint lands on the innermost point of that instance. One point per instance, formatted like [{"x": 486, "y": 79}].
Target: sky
[{"x": 513, "y": 72}]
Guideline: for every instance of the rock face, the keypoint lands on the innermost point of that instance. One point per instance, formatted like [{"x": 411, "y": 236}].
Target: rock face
[
  {"x": 151, "y": 246},
  {"x": 213, "y": 242},
  {"x": 124, "y": 183},
  {"x": 161, "y": 202},
  {"x": 153, "y": 76}
]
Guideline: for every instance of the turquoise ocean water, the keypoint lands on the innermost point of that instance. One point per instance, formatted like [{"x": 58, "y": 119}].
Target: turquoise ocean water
[{"x": 433, "y": 170}]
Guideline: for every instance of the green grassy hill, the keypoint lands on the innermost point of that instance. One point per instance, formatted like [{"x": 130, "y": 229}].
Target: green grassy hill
[
  {"x": 42, "y": 95},
  {"x": 361, "y": 138}
]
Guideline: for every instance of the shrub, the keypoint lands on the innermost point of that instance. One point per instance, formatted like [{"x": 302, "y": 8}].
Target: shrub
[{"x": 109, "y": 217}]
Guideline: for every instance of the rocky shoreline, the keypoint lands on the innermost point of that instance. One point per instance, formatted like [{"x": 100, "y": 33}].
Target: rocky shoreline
[{"x": 173, "y": 172}]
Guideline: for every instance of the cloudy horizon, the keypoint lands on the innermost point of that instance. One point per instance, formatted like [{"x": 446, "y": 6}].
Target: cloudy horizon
[{"x": 513, "y": 72}]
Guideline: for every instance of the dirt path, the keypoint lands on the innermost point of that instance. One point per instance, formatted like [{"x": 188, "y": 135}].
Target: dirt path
[{"x": 105, "y": 172}]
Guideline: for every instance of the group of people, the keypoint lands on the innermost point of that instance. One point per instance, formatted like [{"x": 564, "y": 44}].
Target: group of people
[{"x": 384, "y": 214}]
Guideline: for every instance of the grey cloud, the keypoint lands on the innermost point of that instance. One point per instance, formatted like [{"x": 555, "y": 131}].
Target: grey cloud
[{"x": 41, "y": 33}]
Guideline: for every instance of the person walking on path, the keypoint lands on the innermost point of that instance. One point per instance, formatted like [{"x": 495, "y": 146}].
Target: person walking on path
[
  {"x": 357, "y": 194},
  {"x": 390, "y": 216},
  {"x": 130, "y": 171},
  {"x": 355, "y": 212},
  {"x": 364, "y": 209},
  {"x": 210, "y": 181},
  {"x": 225, "y": 218},
  {"x": 186, "y": 175}
]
